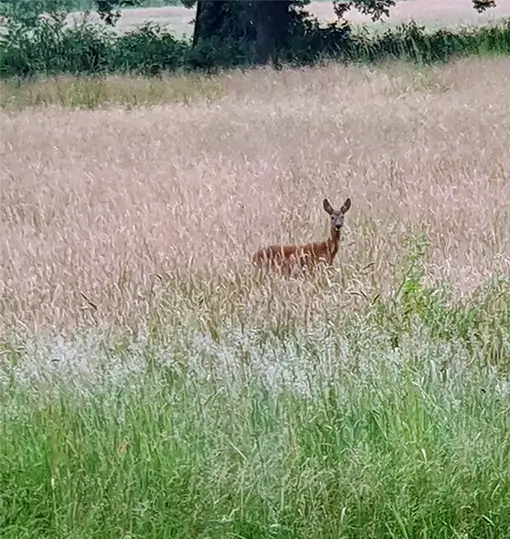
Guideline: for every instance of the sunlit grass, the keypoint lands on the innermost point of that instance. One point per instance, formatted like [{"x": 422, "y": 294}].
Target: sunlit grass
[
  {"x": 93, "y": 92},
  {"x": 154, "y": 384}
]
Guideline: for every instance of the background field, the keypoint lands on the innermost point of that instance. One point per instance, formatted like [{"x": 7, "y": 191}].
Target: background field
[
  {"x": 154, "y": 385},
  {"x": 443, "y": 14}
]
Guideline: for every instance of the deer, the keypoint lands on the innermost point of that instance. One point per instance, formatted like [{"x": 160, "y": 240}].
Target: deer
[{"x": 286, "y": 257}]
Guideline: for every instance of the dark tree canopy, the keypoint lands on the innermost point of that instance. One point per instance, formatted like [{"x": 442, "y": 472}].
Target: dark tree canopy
[
  {"x": 109, "y": 10},
  {"x": 266, "y": 26},
  {"x": 482, "y": 5},
  {"x": 269, "y": 24}
]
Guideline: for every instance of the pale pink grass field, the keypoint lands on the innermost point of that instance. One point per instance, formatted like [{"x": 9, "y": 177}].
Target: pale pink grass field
[
  {"x": 102, "y": 204},
  {"x": 428, "y": 12}
]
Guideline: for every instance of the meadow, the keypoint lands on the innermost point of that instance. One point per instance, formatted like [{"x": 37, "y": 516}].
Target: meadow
[
  {"x": 445, "y": 13},
  {"x": 154, "y": 384}
]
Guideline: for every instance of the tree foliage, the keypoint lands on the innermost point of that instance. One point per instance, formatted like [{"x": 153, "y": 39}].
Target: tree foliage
[
  {"x": 270, "y": 25},
  {"x": 482, "y": 5},
  {"x": 109, "y": 10},
  {"x": 375, "y": 8},
  {"x": 255, "y": 30}
]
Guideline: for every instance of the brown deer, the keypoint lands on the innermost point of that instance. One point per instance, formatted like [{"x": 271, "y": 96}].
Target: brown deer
[{"x": 284, "y": 257}]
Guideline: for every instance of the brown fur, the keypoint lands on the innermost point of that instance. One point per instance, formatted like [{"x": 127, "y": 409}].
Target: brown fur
[{"x": 286, "y": 257}]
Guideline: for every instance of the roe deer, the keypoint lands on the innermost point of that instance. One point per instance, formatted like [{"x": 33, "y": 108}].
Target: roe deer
[{"x": 309, "y": 254}]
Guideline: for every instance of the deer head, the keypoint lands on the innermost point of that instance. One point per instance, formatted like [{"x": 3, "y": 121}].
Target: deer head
[{"x": 337, "y": 216}]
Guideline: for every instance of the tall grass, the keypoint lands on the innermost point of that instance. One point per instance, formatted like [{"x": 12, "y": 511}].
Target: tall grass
[
  {"x": 384, "y": 447},
  {"x": 291, "y": 432},
  {"x": 154, "y": 384}
]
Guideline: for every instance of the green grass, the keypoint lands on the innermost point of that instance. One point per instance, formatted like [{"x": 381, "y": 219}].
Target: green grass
[
  {"x": 394, "y": 453},
  {"x": 389, "y": 421},
  {"x": 93, "y": 92}
]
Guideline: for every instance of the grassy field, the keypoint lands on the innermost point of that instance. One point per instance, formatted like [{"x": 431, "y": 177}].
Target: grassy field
[
  {"x": 153, "y": 384},
  {"x": 449, "y": 13}
]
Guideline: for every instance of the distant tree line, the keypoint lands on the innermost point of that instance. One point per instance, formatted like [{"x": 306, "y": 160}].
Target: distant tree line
[
  {"x": 227, "y": 33},
  {"x": 269, "y": 24}
]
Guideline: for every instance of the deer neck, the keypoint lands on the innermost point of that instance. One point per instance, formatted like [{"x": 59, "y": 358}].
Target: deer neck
[{"x": 333, "y": 242}]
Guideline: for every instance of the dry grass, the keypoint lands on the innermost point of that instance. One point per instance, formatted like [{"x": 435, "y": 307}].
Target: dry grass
[
  {"x": 146, "y": 369},
  {"x": 84, "y": 92},
  {"x": 97, "y": 204}
]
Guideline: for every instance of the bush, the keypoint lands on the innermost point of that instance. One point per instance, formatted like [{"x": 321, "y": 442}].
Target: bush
[{"x": 148, "y": 50}]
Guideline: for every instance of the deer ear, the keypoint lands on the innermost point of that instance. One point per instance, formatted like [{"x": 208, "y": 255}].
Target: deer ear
[
  {"x": 327, "y": 206},
  {"x": 345, "y": 208}
]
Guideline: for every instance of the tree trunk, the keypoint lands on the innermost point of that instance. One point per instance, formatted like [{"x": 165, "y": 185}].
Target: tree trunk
[
  {"x": 272, "y": 20},
  {"x": 198, "y": 21},
  {"x": 210, "y": 19}
]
